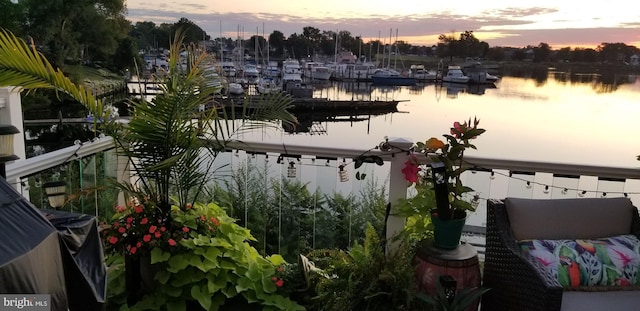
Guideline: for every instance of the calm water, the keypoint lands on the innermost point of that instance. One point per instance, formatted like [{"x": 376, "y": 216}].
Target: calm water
[{"x": 565, "y": 119}]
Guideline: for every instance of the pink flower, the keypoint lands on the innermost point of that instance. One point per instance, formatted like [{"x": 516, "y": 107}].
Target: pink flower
[
  {"x": 163, "y": 229},
  {"x": 457, "y": 129},
  {"x": 185, "y": 229},
  {"x": 172, "y": 242},
  {"x": 146, "y": 238},
  {"x": 279, "y": 283},
  {"x": 152, "y": 229},
  {"x": 280, "y": 269},
  {"x": 274, "y": 278},
  {"x": 158, "y": 234},
  {"x": 122, "y": 230},
  {"x": 133, "y": 250},
  {"x": 144, "y": 221},
  {"x": 113, "y": 240},
  {"x": 411, "y": 170},
  {"x": 129, "y": 220},
  {"x": 120, "y": 209}
]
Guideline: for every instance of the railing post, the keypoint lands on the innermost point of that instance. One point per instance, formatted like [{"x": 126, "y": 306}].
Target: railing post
[
  {"x": 11, "y": 114},
  {"x": 397, "y": 188}
]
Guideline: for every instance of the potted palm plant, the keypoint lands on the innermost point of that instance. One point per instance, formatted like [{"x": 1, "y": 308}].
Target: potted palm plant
[{"x": 170, "y": 144}]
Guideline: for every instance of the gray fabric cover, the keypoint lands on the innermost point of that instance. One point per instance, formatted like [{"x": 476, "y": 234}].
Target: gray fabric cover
[{"x": 553, "y": 219}]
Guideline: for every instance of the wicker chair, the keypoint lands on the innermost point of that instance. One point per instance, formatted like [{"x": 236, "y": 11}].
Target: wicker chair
[{"x": 514, "y": 280}]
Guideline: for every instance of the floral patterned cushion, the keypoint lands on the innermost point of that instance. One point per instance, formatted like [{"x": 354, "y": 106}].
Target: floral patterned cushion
[{"x": 608, "y": 262}]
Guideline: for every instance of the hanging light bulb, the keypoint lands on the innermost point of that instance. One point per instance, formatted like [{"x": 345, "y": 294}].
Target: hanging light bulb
[
  {"x": 344, "y": 175},
  {"x": 291, "y": 170},
  {"x": 475, "y": 201}
]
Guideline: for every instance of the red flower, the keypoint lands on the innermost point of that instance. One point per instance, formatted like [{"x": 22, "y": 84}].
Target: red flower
[
  {"x": 138, "y": 209},
  {"x": 152, "y": 229},
  {"x": 138, "y": 244},
  {"x": 128, "y": 226},
  {"x": 157, "y": 234},
  {"x": 120, "y": 209},
  {"x": 144, "y": 221},
  {"x": 279, "y": 283},
  {"x": 129, "y": 220},
  {"x": 188, "y": 205},
  {"x": 280, "y": 269},
  {"x": 274, "y": 278},
  {"x": 122, "y": 230},
  {"x": 113, "y": 240},
  {"x": 133, "y": 250},
  {"x": 146, "y": 238},
  {"x": 215, "y": 221},
  {"x": 185, "y": 229},
  {"x": 163, "y": 229},
  {"x": 172, "y": 242},
  {"x": 203, "y": 218}
]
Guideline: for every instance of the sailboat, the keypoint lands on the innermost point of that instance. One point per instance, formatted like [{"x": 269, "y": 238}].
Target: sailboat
[{"x": 388, "y": 76}]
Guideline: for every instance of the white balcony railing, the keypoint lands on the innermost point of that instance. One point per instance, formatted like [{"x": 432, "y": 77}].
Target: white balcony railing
[{"x": 490, "y": 178}]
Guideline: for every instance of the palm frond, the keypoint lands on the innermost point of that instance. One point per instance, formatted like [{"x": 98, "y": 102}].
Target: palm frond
[{"x": 24, "y": 67}]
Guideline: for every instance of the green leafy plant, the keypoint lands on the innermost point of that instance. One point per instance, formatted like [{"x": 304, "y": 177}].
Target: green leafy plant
[
  {"x": 462, "y": 299},
  {"x": 365, "y": 278},
  {"x": 210, "y": 266}
]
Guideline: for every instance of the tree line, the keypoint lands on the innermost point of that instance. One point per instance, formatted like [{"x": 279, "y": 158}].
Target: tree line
[{"x": 97, "y": 32}]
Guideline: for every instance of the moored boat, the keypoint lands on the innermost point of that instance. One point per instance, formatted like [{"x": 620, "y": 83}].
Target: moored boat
[
  {"x": 389, "y": 76},
  {"x": 455, "y": 75}
]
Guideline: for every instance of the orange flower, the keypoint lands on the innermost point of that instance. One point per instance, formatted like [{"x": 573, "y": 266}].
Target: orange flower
[
  {"x": 434, "y": 144},
  {"x": 215, "y": 221}
]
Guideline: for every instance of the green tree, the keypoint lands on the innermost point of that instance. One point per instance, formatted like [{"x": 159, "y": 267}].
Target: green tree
[
  {"x": 541, "y": 52},
  {"x": 65, "y": 30},
  {"x": 276, "y": 43}
]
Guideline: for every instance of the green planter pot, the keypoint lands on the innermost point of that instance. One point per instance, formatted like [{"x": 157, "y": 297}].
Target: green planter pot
[{"x": 447, "y": 233}]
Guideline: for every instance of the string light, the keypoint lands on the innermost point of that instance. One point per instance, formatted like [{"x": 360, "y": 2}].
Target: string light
[
  {"x": 342, "y": 172},
  {"x": 291, "y": 170}
]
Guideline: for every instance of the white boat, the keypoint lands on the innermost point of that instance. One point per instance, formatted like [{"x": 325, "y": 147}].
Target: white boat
[
  {"x": 291, "y": 66},
  {"x": 272, "y": 70},
  {"x": 478, "y": 74},
  {"x": 268, "y": 86},
  {"x": 356, "y": 71},
  {"x": 235, "y": 89},
  {"x": 420, "y": 73},
  {"x": 455, "y": 75},
  {"x": 316, "y": 71},
  {"x": 251, "y": 73},
  {"x": 228, "y": 69}
]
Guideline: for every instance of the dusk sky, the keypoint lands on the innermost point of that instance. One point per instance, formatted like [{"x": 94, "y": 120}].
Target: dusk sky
[{"x": 498, "y": 22}]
